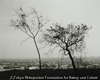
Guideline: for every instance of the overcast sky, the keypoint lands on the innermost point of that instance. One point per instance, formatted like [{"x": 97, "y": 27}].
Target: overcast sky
[{"x": 65, "y": 11}]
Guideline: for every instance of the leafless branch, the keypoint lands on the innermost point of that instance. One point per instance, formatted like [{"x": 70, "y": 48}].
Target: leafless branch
[
  {"x": 25, "y": 40},
  {"x": 30, "y": 30},
  {"x": 44, "y": 46},
  {"x": 26, "y": 33},
  {"x": 40, "y": 26}
]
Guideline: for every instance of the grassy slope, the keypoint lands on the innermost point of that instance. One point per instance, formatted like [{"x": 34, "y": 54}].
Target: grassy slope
[{"x": 33, "y": 73}]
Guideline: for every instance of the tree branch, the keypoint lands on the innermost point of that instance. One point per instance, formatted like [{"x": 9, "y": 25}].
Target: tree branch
[
  {"x": 44, "y": 46},
  {"x": 30, "y": 30},
  {"x": 38, "y": 23},
  {"x": 26, "y": 33},
  {"x": 25, "y": 40},
  {"x": 51, "y": 50},
  {"x": 75, "y": 42}
]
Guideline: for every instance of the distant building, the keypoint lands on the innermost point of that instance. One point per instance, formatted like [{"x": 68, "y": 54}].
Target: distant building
[
  {"x": 69, "y": 66},
  {"x": 6, "y": 68},
  {"x": 22, "y": 68},
  {"x": 33, "y": 67},
  {"x": 93, "y": 66},
  {"x": 1, "y": 68},
  {"x": 63, "y": 66}
]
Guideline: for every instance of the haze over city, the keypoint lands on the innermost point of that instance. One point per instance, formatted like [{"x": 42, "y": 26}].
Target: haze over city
[{"x": 64, "y": 11}]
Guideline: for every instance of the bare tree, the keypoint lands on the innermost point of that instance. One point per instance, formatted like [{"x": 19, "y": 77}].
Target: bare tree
[
  {"x": 29, "y": 23},
  {"x": 70, "y": 39}
]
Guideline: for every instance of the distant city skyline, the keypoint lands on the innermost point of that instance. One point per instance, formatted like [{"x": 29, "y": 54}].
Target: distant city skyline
[{"x": 62, "y": 11}]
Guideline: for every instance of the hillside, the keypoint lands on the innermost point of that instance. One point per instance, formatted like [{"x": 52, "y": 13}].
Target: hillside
[{"x": 87, "y": 74}]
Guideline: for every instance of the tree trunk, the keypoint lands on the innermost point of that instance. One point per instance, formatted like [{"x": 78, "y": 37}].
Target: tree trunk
[
  {"x": 72, "y": 60},
  {"x": 73, "y": 63},
  {"x": 38, "y": 53}
]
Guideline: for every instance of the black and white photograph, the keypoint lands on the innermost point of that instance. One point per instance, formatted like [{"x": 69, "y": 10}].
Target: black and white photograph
[{"x": 49, "y": 39}]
